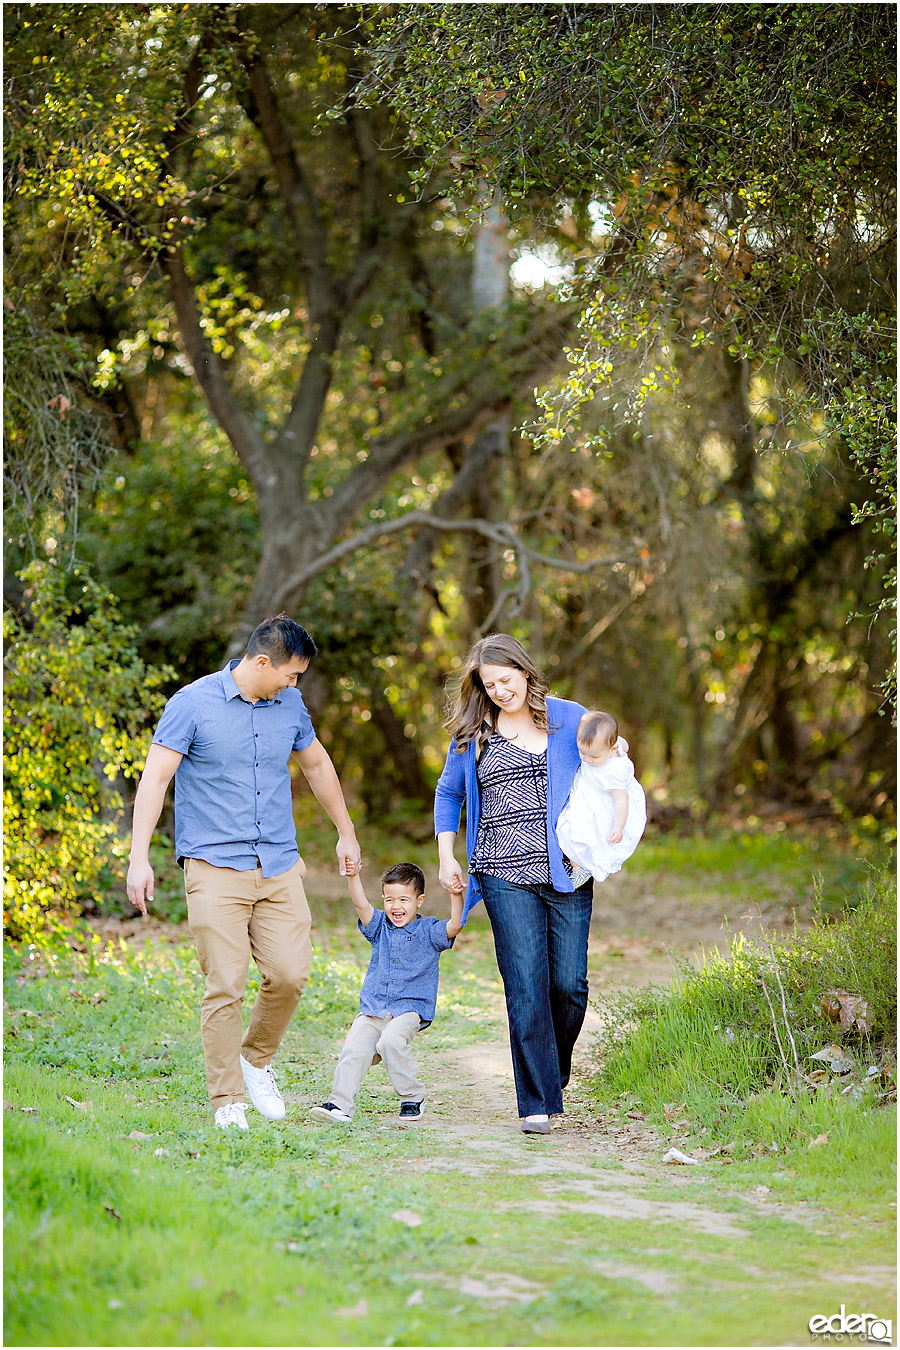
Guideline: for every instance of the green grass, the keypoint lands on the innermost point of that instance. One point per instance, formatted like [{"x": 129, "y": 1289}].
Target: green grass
[
  {"x": 713, "y": 1058},
  {"x": 796, "y": 864},
  {"x": 287, "y": 1235}
]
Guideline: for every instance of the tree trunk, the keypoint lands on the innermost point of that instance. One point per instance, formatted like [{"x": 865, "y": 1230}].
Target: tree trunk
[{"x": 402, "y": 752}]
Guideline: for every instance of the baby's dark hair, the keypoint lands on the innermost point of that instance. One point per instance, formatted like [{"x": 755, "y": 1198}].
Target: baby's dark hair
[
  {"x": 597, "y": 725},
  {"x": 405, "y": 874}
]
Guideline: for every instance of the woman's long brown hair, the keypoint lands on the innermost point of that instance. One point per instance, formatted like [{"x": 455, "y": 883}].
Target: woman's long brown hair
[{"x": 471, "y": 714}]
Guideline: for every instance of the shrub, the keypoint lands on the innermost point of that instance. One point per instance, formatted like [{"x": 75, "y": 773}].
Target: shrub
[
  {"x": 77, "y": 702},
  {"x": 746, "y": 1019}
]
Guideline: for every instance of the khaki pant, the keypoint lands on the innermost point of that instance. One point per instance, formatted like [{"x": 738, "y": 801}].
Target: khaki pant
[
  {"x": 388, "y": 1038},
  {"x": 233, "y": 916}
]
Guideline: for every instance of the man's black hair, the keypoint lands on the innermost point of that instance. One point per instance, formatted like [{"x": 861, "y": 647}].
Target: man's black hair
[
  {"x": 405, "y": 874},
  {"x": 279, "y": 638}
]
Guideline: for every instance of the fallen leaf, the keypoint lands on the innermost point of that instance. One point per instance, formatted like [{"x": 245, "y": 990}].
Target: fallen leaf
[
  {"x": 761, "y": 1190},
  {"x": 838, "y": 1060},
  {"x": 407, "y": 1216},
  {"x": 846, "y": 1009},
  {"x": 136, "y": 1134},
  {"x": 671, "y": 1111},
  {"x": 61, "y": 404},
  {"x": 818, "y": 1141},
  {"x": 675, "y": 1155},
  {"x": 114, "y": 1303},
  {"x": 8, "y": 1106},
  {"x": 360, "y": 1310},
  {"x": 417, "y": 1297},
  {"x": 80, "y": 1106},
  {"x": 160, "y": 1153}
]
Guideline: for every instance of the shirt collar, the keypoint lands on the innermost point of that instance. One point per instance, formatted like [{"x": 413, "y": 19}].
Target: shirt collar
[
  {"x": 231, "y": 689},
  {"x": 228, "y": 684}
]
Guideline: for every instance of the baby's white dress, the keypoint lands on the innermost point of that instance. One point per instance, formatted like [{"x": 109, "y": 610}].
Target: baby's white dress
[{"x": 588, "y": 816}]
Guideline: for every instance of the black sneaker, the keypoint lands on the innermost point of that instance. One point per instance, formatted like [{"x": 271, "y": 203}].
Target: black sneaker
[
  {"x": 411, "y": 1110},
  {"x": 328, "y": 1111}
]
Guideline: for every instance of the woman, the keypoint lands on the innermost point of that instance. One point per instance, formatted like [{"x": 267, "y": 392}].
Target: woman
[{"x": 512, "y": 759}]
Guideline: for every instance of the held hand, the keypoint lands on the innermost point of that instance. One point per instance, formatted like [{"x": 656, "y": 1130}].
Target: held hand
[
  {"x": 615, "y": 835},
  {"x": 348, "y": 855},
  {"x": 140, "y": 883},
  {"x": 451, "y": 876}
]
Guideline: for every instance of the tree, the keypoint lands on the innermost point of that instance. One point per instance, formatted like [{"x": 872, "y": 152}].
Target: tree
[
  {"x": 727, "y": 174},
  {"x": 310, "y": 232},
  {"x": 77, "y": 701}
]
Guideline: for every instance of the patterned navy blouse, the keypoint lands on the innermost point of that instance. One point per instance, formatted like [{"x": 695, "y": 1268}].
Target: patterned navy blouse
[{"x": 512, "y": 830}]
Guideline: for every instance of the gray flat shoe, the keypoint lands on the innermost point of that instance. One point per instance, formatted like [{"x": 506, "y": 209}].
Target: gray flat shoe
[{"x": 535, "y": 1127}]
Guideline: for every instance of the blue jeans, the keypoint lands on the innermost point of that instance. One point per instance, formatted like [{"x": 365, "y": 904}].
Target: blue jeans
[{"x": 541, "y": 936}]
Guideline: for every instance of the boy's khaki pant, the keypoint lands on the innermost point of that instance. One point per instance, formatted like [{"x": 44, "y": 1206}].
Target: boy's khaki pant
[
  {"x": 233, "y": 916},
  {"x": 390, "y": 1037}
]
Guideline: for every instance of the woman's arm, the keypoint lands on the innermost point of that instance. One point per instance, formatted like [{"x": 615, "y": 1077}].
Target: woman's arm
[
  {"x": 449, "y": 796},
  {"x": 450, "y": 873},
  {"x": 620, "y": 805}
]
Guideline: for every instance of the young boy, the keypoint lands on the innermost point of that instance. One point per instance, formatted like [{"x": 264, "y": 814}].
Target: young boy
[{"x": 399, "y": 991}]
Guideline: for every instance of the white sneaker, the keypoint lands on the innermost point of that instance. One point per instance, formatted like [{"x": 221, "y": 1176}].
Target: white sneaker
[
  {"x": 263, "y": 1090},
  {"x": 232, "y": 1114}
]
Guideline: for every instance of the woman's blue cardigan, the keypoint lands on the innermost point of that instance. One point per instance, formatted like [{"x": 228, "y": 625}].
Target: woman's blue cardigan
[{"x": 458, "y": 784}]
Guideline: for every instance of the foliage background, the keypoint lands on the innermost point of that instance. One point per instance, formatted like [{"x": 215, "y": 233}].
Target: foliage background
[{"x": 605, "y": 292}]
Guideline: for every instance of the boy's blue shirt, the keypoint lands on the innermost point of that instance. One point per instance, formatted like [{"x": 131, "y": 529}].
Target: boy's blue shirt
[
  {"x": 458, "y": 785},
  {"x": 403, "y": 969}
]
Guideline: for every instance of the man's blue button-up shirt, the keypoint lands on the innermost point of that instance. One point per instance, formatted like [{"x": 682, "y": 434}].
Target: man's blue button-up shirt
[
  {"x": 403, "y": 970},
  {"x": 233, "y": 786}
]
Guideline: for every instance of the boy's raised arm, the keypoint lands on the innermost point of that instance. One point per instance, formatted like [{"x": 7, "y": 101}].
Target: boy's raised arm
[
  {"x": 358, "y": 896},
  {"x": 455, "y": 923}
]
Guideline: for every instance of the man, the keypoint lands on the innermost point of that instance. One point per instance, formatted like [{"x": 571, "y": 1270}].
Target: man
[{"x": 226, "y": 739}]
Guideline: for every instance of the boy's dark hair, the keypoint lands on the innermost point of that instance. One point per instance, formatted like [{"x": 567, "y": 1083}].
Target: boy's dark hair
[
  {"x": 405, "y": 874},
  {"x": 279, "y": 638}
]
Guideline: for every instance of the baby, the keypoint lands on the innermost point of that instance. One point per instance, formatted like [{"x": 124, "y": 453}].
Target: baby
[{"x": 601, "y": 824}]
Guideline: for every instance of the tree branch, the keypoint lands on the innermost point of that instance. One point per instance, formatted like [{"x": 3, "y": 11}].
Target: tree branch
[
  {"x": 232, "y": 418},
  {"x": 485, "y": 447},
  {"x": 488, "y": 392},
  {"x": 261, "y": 105},
  {"x": 501, "y": 532}
]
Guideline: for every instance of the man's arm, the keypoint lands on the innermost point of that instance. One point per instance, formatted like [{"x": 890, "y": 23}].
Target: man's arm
[
  {"x": 159, "y": 771},
  {"x": 358, "y": 896},
  {"x": 455, "y": 923},
  {"x": 321, "y": 775}
]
